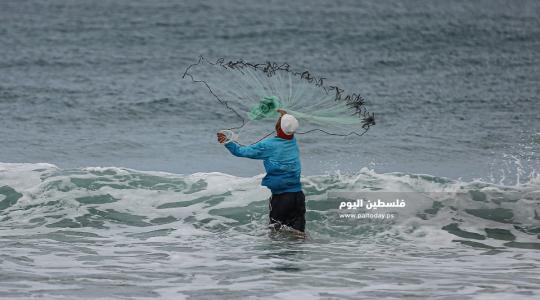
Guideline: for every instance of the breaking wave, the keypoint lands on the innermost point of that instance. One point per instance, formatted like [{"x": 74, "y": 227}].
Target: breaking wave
[{"x": 95, "y": 202}]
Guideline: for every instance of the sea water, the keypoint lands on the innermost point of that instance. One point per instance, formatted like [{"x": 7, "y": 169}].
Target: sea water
[{"x": 112, "y": 184}]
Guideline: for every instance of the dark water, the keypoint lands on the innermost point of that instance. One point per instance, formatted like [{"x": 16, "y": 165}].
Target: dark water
[
  {"x": 454, "y": 84},
  {"x": 455, "y": 88}
]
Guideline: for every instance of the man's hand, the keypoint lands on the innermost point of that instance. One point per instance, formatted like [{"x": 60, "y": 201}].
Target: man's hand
[
  {"x": 221, "y": 137},
  {"x": 281, "y": 111}
]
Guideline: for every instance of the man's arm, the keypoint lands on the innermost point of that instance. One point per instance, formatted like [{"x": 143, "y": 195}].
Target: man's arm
[{"x": 255, "y": 151}]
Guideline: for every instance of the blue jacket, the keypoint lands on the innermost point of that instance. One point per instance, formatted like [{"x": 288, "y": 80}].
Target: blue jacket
[{"x": 281, "y": 159}]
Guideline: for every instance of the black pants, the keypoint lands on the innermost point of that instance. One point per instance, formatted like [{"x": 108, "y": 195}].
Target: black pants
[{"x": 288, "y": 209}]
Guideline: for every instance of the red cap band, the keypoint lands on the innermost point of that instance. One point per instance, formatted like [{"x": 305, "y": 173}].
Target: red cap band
[{"x": 283, "y": 135}]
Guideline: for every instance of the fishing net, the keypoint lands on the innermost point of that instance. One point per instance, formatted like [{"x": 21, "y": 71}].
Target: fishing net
[{"x": 252, "y": 94}]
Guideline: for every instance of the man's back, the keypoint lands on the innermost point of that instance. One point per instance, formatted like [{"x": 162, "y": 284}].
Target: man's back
[
  {"x": 282, "y": 166},
  {"x": 281, "y": 160}
]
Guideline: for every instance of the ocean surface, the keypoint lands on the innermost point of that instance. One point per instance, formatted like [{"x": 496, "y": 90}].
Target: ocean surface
[{"x": 112, "y": 185}]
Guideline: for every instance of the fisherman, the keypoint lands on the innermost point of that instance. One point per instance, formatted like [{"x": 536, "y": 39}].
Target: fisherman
[{"x": 281, "y": 158}]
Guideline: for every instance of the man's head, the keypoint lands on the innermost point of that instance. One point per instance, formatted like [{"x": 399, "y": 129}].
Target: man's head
[{"x": 286, "y": 126}]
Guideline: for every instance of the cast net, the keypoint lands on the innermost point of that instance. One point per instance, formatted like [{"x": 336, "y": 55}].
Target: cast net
[{"x": 252, "y": 94}]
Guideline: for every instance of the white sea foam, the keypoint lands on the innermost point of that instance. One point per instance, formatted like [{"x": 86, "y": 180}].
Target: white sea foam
[{"x": 167, "y": 235}]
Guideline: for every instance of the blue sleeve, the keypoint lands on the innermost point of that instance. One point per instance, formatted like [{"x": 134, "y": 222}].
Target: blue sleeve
[{"x": 256, "y": 151}]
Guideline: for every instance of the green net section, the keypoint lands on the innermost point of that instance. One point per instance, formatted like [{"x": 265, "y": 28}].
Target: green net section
[{"x": 266, "y": 108}]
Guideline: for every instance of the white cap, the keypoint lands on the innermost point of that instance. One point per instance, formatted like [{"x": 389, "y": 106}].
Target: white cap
[{"x": 289, "y": 124}]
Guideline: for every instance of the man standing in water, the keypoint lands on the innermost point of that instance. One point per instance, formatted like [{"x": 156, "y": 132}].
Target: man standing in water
[{"x": 281, "y": 159}]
